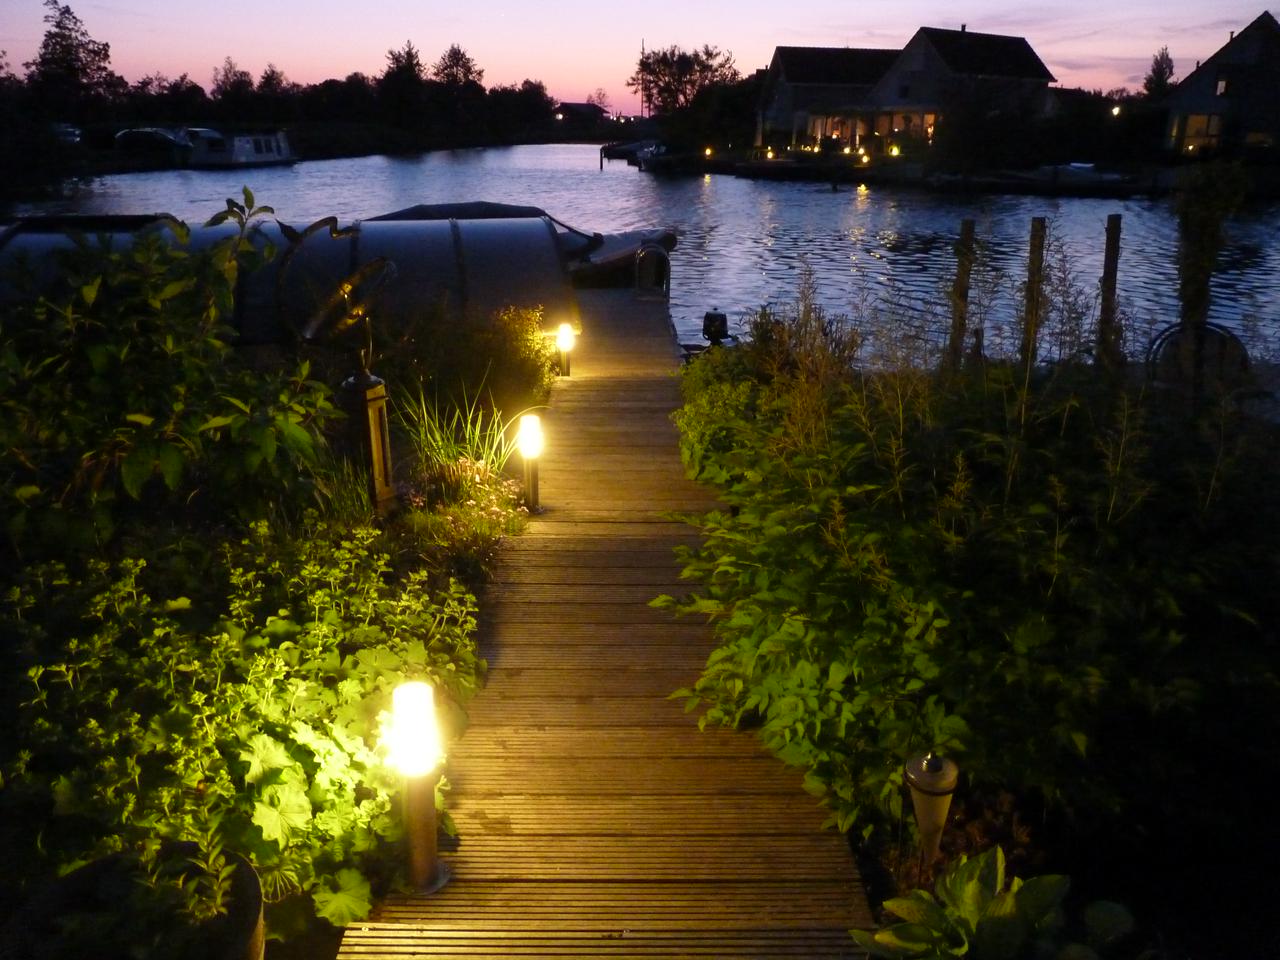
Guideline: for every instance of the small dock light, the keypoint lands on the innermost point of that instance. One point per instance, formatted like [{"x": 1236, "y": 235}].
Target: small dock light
[
  {"x": 414, "y": 748},
  {"x": 894, "y": 151},
  {"x": 768, "y": 154},
  {"x": 932, "y": 779},
  {"x": 565, "y": 339},
  {"x": 1115, "y": 111},
  {"x": 530, "y": 442},
  {"x": 707, "y": 153}
]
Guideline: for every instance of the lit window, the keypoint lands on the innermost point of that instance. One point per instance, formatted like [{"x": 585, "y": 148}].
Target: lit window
[{"x": 1223, "y": 87}]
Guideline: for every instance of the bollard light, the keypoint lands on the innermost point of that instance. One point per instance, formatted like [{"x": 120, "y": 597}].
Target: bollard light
[
  {"x": 564, "y": 343},
  {"x": 529, "y": 442},
  {"x": 932, "y": 779},
  {"x": 414, "y": 748}
]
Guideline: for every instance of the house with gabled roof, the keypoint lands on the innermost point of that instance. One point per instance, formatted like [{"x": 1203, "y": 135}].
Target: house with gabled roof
[
  {"x": 855, "y": 94},
  {"x": 948, "y": 71},
  {"x": 1231, "y": 102},
  {"x": 816, "y": 92}
]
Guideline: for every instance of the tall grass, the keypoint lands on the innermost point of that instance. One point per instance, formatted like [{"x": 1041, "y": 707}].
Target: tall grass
[{"x": 456, "y": 448}]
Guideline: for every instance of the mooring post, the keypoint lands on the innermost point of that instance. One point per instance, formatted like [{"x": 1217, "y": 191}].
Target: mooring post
[
  {"x": 1109, "y": 352},
  {"x": 1035, "y": 294},
  {"x": 960, "y": 295}
]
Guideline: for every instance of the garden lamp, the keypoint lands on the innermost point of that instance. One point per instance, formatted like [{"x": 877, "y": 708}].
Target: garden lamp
[
  {"x": 564, "y": 343},
  {"x": 529, "y": 441},
  {"x": 932, "y": 779},
  {"x": 414, "y": 748}
]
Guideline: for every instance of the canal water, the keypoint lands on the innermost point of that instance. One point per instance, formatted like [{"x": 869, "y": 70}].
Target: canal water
[{"x": 746, "y": 243}]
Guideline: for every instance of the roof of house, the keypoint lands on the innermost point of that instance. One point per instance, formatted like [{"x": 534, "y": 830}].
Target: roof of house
[
  {"x": 1258, "y": 42},
  {"x": 574, "y": 107},
  {"x": 987, "y": 54},
  {"x": 834, "y": 65}
]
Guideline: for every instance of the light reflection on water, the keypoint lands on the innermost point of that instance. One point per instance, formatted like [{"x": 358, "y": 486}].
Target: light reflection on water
[{"x": 744, "y": 243}]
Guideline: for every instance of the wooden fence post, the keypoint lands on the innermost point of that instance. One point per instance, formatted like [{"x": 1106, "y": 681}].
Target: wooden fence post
[
  {"x": 960, "y": 295},
  {"x": 1035, "y": 294},
  {"x": 1109, "y": 352}
]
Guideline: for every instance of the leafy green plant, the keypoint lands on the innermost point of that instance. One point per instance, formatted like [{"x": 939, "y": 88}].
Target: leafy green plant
[
  {"x": 505, "y": 361},
  {"x": 122, "y": 395},
  {"x": 909, "y": 561},
  {"x": 153, "y": 719},
  {"x": 975, "y": 913},
  {"x": 194, "y": 654}
]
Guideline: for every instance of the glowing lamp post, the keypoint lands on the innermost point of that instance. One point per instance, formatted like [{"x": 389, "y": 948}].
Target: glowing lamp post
[
  {"x": 932, "y": 780},
  {"x": 529, "y": 441},
  {"x": 564, "y": 343},
  {"x": 414, "y": 748}
]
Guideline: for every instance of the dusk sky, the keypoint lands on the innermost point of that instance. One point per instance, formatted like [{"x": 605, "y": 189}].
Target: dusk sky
[{"x": 574, "y": 46}]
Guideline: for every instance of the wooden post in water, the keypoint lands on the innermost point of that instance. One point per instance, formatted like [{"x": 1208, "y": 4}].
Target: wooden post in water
[
  {"x": 1109, "y": 353},
  {"x": 1035, "y": 294},
  {"x": 960, "y": 295}
]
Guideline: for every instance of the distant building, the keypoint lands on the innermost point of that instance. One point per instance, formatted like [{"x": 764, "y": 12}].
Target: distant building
[
  {"x": 581, "y": 114},
  {"x": 1231, "y": 102},
  {"x": 856, "y": 94},
  {"x": 818, "y": 92}
]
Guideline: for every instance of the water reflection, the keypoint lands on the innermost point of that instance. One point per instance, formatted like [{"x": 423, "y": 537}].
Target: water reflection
[{"x": 744, "y": 243}]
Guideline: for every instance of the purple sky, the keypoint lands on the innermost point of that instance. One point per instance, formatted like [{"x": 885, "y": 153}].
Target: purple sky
[{"x": 574, "y": 46}]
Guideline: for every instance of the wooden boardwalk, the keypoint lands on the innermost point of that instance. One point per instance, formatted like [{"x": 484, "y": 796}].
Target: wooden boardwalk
[{"x": 595, "y": 819}]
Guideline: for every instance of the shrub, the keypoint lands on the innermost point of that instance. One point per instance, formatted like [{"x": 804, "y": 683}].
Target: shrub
[
  {"x": 123, "y": 399},
  {"x": 1034, "y": 573}
]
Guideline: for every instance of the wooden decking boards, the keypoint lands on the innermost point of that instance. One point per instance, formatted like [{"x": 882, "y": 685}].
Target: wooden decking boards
[{"x": 594, "y": 818}]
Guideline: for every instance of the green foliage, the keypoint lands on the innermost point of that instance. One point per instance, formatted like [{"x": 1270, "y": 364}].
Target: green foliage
[
  {"x": 145, "y": 716},
  {"x": 1006, "y": 568},
  {"x": 122, "y": 396},
  {"x": 457, "y": 449},
  {"x": 505, "y": 360},
  {"x": 194, "y": 654},
  {"x": 974, "y": 913}
]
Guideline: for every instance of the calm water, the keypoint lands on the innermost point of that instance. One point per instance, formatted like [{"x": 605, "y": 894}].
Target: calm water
[{"x": 743, "y": 243}]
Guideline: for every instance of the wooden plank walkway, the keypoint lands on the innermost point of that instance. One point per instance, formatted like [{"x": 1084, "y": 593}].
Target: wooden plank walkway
[{"x": 595, "y": 819}]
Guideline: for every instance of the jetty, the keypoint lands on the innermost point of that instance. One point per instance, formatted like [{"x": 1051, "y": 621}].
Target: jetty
[{"x": 594, "y": 818}]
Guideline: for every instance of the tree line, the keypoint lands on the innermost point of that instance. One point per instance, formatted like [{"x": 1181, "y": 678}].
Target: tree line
[{"x": 413, "y": 103}]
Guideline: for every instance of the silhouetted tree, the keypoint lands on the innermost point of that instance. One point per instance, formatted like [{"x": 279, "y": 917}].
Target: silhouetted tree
[
  {"x": 669, "y": 79},
  {"x": 229, "y": 80},
  {"x": 526, "y": 111},
  {"x": 1159, "y": 79},
  {"x": 402, "y": 86},
  {"x": 600, "y": 98},
  {"x": 455, "y": 68},
  {"x": 71, "y": 75},
  {"x": 350, "y": 100},
  {"x": 276, "y": 96}
]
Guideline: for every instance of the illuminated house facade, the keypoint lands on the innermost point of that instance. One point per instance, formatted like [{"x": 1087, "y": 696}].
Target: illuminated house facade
[
  {"x": 1232, "y": 100},
  {"x": 856, "y": 95},
  {"x": 816, "y": 92}
]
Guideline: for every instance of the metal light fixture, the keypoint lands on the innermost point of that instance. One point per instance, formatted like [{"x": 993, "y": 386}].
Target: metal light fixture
[
  {"x": 414, "y": 748},
  {"x": 529, "y": 442},
  {"x": 932, "y": 779},
  {"x": 565, "y": 338}
]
